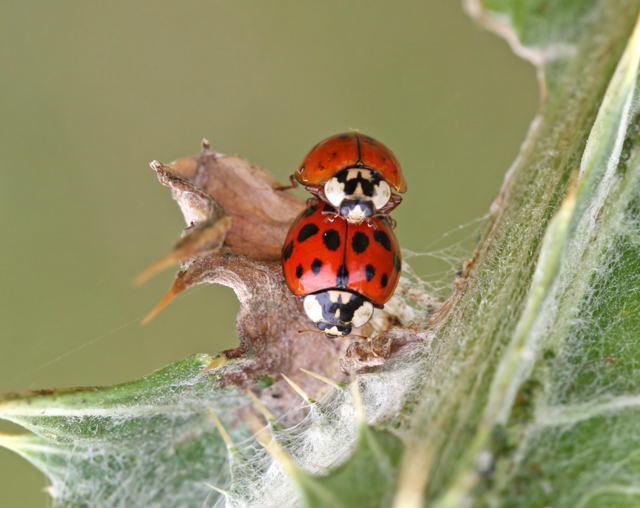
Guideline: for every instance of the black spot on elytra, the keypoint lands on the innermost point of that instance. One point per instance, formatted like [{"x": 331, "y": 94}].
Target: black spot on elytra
[
  {"x": 397, "y": 264},
  {"x": 343, "y": 276},
  {"x": 287, "y": 251},
  {"x": 369, "y": 272},
  {"x": 382, "y": 238},
  {"x": 310, "y": 211},
  {"x": 331, "y": 239},
  {"x": 307, "y": 231},
  {"x": 316, "y": 266},
  {"x": 360, "y": 242},
  {"x": 384, "y": 280},
  {"x": 334, "y": 154},
  {"x": 299, "y": 271}
]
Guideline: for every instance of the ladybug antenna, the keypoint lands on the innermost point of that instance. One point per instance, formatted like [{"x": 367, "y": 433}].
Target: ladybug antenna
[
  {"x": 310, "y": 330},
  {"x": 358, "y": 336}
]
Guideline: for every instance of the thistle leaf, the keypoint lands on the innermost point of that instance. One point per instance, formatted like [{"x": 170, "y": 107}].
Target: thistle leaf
[
  {"x": 148, "y": 442},
  {"x": 562, "y": 248},
  {"x": 521, "y": 389}
]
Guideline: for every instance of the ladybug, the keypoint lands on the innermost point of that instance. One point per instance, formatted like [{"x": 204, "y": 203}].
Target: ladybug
[
  {"x": 355, "y": 174},
  {"x": 342, "y": 269}
]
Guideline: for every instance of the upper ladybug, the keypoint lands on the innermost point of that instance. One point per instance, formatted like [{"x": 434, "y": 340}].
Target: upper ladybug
[{"x": 355, "y": 174}]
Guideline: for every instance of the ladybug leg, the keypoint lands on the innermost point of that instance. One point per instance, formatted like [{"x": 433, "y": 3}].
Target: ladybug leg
[
  {"x": 330, "y": 215},
  {"x": 385, "y": 217},
  {"x": 314, "y": 200},
  {"x": 383, "y": 212},
  {"x": 319, "y": 192},
  {"x": 394, "y": 201},
  {"x": 293, "y": 184}
]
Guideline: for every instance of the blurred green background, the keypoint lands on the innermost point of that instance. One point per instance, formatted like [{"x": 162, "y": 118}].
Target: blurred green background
[{"x": 91, "y": 91}]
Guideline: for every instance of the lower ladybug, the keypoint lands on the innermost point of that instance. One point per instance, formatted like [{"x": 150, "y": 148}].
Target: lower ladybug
[{"x": 343, "y": 270}]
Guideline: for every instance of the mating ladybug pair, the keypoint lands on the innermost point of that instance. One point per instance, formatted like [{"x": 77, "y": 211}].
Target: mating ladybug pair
[{"x": 341, "y": 253}]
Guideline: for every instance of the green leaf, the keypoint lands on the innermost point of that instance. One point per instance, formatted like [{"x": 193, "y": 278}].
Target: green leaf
[
  {"x": 582, "y": 440},
  {"x": 148, "y": 442},
  {"x": 368, "y": 478},
  {"x": 528, "y": 353}
]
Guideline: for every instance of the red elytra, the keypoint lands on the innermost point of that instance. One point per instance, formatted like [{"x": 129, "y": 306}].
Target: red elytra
[
  {"x": 350, "y": 149},
  {"x": 323, "y": 251}
]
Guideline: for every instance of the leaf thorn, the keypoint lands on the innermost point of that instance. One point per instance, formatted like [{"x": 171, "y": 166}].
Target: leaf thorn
[
  {"x": 268, "y": 415},
  {"x": 268, "y": 441},
  {"x": 357, "y": 401},
  {"x": 169, "y": 295},
  {"x": 324, "y": 379},
  {"x": 223, "y": 432},
  {"x": 298, "y": 389},
  {"x": 225, "y": 493}
]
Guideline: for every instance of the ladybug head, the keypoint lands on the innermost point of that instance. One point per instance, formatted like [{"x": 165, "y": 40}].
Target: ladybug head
[
  {"x": 357, "y": 193},
  {"x": 334, "y": 330},
  {"x": 356, "y": 210},
  {"x": 335, "y": 311}
]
